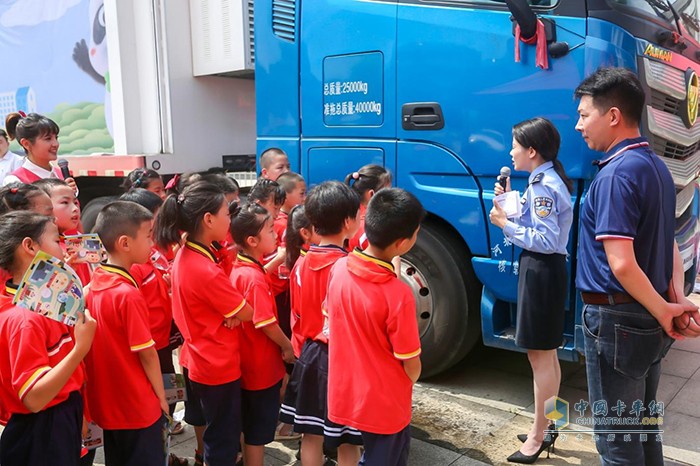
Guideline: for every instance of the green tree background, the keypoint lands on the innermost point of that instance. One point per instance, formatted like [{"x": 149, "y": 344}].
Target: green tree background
[{"x": 83, "y": 129}]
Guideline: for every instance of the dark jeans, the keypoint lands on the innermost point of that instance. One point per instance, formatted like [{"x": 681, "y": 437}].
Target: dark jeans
[{"x": 624, "y": 347}]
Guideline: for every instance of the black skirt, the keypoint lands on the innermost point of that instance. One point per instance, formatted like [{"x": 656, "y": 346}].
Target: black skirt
[{"x": 542, "y": 287}]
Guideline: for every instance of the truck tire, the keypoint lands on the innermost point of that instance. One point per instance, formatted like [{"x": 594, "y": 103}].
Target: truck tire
[
  {"x": 438, "y": 270},
  {"x": 88, "y": 216}
]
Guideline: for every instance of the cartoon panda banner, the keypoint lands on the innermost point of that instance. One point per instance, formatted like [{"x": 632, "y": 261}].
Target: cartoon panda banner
[{"x": 55, "y": 63}]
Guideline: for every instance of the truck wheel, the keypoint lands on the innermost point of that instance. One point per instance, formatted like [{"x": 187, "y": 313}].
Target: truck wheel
[
  {"x": 440, "y": 274},
  {"x": 88, "y": 216}
]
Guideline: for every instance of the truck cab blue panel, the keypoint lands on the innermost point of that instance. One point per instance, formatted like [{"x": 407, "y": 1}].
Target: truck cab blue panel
[
  {"x": 466, "y": 64},
  {"x": 358, "y": 44},
  {"x": 324, "y": 159},
  {"x": 609, "y": 45},
  {"x": 446, "y": 188},
  {"x": 277, "y": 100}
]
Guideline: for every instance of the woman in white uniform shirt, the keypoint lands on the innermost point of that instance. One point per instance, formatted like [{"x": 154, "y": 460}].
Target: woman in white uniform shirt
[{"x": 9, "y": 161}]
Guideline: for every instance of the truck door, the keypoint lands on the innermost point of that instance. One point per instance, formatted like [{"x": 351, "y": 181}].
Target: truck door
[
  {"x": 459, "y": 92},
  {"x": 348, "y": 93}
]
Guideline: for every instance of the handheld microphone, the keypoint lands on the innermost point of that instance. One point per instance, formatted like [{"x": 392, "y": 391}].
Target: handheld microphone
[
  {"x": 503, "y": 179},
  {"x": 63, "y": 165}
]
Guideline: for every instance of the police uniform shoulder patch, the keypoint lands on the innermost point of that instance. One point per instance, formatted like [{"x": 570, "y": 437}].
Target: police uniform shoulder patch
[
  {"x": 543, "y": 206},
  {"x": 537, "y": 178}
]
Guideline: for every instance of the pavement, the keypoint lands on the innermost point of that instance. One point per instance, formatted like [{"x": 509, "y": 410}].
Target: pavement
[{"x": 470, "y": 415}]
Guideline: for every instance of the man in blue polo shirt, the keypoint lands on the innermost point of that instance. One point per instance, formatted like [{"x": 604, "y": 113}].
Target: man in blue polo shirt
[{"x": 629, "y": 269}]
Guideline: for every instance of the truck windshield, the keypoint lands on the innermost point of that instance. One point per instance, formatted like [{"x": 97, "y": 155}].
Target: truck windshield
[{"x": 688, "y": 10}]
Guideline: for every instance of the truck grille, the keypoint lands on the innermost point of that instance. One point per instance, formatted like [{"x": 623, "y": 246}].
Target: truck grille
[{"x": 678, "y": 146}]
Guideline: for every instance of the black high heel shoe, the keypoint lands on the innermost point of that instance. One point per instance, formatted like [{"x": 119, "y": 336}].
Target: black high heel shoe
[
  {"x": 551, "y": 431},
  {"x": 520, "y": 458}
]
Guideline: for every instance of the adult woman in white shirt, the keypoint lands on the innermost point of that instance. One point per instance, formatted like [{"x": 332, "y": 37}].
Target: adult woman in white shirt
[{"x": 9, "y": 161}]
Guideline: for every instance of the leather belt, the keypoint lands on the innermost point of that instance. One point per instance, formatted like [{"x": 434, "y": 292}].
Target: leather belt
[{"x": 603, "y": 299}]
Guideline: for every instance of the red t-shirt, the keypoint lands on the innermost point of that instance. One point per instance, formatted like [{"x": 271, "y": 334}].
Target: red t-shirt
[
  {"x": 372, "y": 329},
  {"x": 32, "y": 346},
  {"x": 294, "y": 297},
  {"x": 261, "y": 360},
  {"x": 312, "y": 282},
  {"x": 280, "y": 227},
  {"x": 203, "y": 297},
  {"x": 360, "y": 238},
  {"x": 119, "y": 394},
  {"x": 150, "y": 278},
  {"x": 225, "y": 253}
]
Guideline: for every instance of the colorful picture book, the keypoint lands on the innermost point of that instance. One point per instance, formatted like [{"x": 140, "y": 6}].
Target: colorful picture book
[
  {"x": 51, "y": 288},
  {"x": 94, "y": 437},
  {"x": 174, "y": 385},
  {"x": 85, "y": 247}
]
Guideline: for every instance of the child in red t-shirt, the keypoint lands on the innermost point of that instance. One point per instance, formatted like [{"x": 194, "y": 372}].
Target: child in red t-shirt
[
  {"x": 365, "y": 182},
  {"x": 125, "y": 386},
  {"x": 206, "y": 308},
  {"x": 300, "y": 236},
  {"x": 145, "y": 178},
  {"x": 225, "y": 251},
  {"x": 373, "y": 331},
  {"x": 153, "y": 279},
  {"x": 21, "y": 196},
  {"x": 273, "y": 162},
  {"x": 264, "y": 347},
  {"x": 332, "y": 208},
  {"x": 41, "y": 374},
  {"x": 66, "y": 209}
]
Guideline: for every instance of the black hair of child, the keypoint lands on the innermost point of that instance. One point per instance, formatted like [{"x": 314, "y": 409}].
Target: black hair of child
[
  {"x": 14, "y": 228},
  {"x": 49, "y": 184},
  {"x": 392, "y": 214},
  {"x": 264, "y": 189},
  {"x": 29, "y": 127},
  {"x": 247, "y": 221},
  {"x": 140, "y": 178},
  {"x": 329, "y": 204},
  {"x": 120, "y": 218},
  {"x": 185, "y": 211},
  {"x": 289, "y": 181},
  {"x": 295, "y": 222},
  {"x": 222, "y": 180},
  {"x": 143, "y": 197},
  {"x": 369, "y": 177},
  {"x": 18, "y": 196},
  {"x": 268, "y": 156},
  {"x": 181, "y": 182}
]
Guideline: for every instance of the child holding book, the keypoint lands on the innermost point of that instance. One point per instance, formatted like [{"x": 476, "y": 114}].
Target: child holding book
[
  {"x": 332, "y": 208},
  {"x": 264, "y": 347},
  {"x": 41, "y": 374},
  {"x": 66, "y": 210},
  {"x": 372, "y": 322},
  {"x": 206, "y": 308},
  {"x": 125, "y": 386}
]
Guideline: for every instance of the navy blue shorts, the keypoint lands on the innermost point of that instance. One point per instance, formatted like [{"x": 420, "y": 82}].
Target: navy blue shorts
[
  {"x": 51, "y": 436},
  {"x": 136, "y": 447},
  {"x": 386, "y": 450},
  {"x": 305, "y": 401},
  {"x": 260, "y": 410},
  {"x": 221, "y": 407},
  {"x": 193, "y": 407}
]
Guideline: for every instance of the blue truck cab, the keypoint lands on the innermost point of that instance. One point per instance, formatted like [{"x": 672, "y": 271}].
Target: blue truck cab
[{"x": 430, "y": 89}]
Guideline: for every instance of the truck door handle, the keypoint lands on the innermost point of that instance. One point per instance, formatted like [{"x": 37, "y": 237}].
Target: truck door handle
[{"x": 422, "y": 116}]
